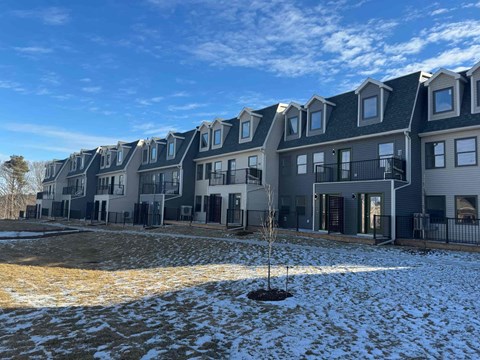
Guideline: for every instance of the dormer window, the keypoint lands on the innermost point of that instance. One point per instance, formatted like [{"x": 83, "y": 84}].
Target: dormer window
[
  {"x": 245, "y": 129},
  {"x": 120, "y": 156},
  {"x": 82, "y": 162},
  {"x": 171, "y": 149},
  {"x": 292, "y": 126},
  {"x": 108, "y": 158},
  {"x": 102, "y": 161},
  {"x": 204, "y": 141},
  {"x": 145, "y": 155},
  {"x": 370, "y": 107},
  {"x": 316, "y": 120},
  {"x": 478, "y": 92},
  {"x": 443, "y": 100},
  {"x": 217, "y": 137},
  {"x": 153, "y": 153}
]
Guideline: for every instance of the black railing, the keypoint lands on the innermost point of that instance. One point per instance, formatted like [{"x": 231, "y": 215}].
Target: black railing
[
  {"x": 234, "y": 217},
  {"x": 240, "y": 176},
  {"x": 114, "y": 189},
  {"x": 167, "y": 188},
  {"x": 376, "y": 169},
  {"x": 448, "y": 230},
  {"x": 382, "y": 228},
  {"x": 73, "y": 190},
  {"x": 45, "y": 195}
]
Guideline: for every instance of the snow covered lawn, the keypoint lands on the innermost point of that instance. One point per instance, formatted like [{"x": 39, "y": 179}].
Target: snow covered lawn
[{"x": 131, "y": 295}]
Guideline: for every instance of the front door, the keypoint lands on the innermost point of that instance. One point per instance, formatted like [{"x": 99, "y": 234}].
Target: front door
[
  {"x": 234, "y": 208},
  {"x": 323, "y": 211},
  {"x": 344, "y": 158},
  {"x": 232, "y": 165},
  {"x": 103, "y": 214},
  {"x": 112, "y": 185},
  {"x": 215, "y": 208},
  {"x": 370, "y": 205},
  {"x": 97, "y": 210}
]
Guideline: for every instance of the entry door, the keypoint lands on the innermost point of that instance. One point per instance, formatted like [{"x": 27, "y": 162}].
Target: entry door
[
  {"x": 103, "y": 214},
  {"x": 215, "y": 208},
  {"x": 232, "y": 165},
  {"x": 370, "y": 205},
  {"x": 112, "y": 185},
  {"x": 234, "y": 208},
  {"x": 344, "y": 158},
  {"x": 323, "y": 213},
  {"x": 97, "y": 210}
]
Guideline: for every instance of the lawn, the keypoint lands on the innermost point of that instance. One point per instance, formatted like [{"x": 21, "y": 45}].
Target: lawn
[{"x": 138, "y": 294}]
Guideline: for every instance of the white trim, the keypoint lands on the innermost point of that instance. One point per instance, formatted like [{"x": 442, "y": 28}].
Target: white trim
[
  {"x": 441, "y": 71},
  {"x": 356, "y": 182},
  {"x": 313, "y": 208},
  {"x": 473, "y": 69},
  {"x": 393, "y": 212},
  {"x": 292, "y": 104},
  {"x": 446, "y": 131},
  {"x": 381, "y": 105},
  {"x": 279, "y": 115},
  {"x": 227, "y": 154},
  {"x": 220, "y": 121},
  {"x": 172, "y": 134},
  {"x": 415, "y": 104},
  {"x": 372, "y": 81},
  {"x": 472, "y": 93},
  {"x": 249, "y": 112},
  {"x": 342, "y": 140},
  {"x": 319, "y": 98}
]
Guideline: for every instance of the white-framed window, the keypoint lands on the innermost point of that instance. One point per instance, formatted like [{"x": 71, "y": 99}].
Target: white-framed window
[
  {"x": 217, "y": 137},
  {"x": 318, "y": 161},
  {"x": 466, "y": 209},
  {"x": 204, "y": 140},
  {"x": 292, "y": 125},
  {"x": 107, "y": 159},
  {"x": 120, "y": 156},
  {"x": 443, "y": 100},
  {"x": 301, "y": 164},
  {"x": 82, "y": 161},
  {"x": 217, "y": 166},
  {"x": 253, "y": 161},
  {"x": 171, "y": 149},
  {"x": 316, "y": 120},
  {"x": 153, "y": 153},
  {"x": 370, "y": 107},
  {"x": 245, "y": 129},
  {"x": 145, "y": 155}
]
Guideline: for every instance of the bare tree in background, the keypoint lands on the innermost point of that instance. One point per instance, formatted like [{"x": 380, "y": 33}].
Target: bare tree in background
[
  {"x": 269, "y": 227},
  {"x": 35, "y": 176}
]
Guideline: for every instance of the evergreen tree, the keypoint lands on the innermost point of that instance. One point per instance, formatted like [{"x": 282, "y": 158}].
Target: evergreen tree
[{"x": 13, "y": 173}]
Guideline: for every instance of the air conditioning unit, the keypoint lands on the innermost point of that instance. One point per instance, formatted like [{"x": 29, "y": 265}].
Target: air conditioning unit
[
  {"x": 186, "y": 210},
  {"x": 118, "y": 191}
]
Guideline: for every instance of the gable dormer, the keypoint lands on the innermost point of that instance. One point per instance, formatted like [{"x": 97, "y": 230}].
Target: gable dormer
[
  {"x": 151, "y": 149},
  {"x": 173, "y": 144},
  {"x": 294, "y": 119},
  {"x": 219, "y": 131},
  {"x": 248, "y": 123},
  {"x": 204, "y": 131},
  {"x": 318, "y": 113},
  {"x": 372, "y": 97},
  {"x": 474, "y": 75},
  {"x": 445, "y": 92}
]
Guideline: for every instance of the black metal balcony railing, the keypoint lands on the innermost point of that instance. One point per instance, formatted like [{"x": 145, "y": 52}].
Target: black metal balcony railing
[
  {"x": 376, "y": 169},
  {"x": 74, "y": 191},
  {"x": 167, "y": 188},
  {"x": 240, "y": 176},
  {"x": 39, "y": 195},
  {"x": 111, "y": 189},
  {"x": 45, "y": 195}
]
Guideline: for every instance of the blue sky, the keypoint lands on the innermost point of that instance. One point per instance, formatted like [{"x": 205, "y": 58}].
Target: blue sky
[{"x": 80, "y": 74}]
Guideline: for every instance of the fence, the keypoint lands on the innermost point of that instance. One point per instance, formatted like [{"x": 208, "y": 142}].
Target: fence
[
  {"x": 448, "y": 230},
  {"x": 382, "y": 229},
  {"x": 234, "y": 217}
]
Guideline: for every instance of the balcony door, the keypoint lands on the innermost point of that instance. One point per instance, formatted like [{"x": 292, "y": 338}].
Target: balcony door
[
  {"x": 370, "y": 205},
  {"x": 232, "y": 166},
  {"x": 234, "y": 208},
  {"x": 344, "y": 158}
]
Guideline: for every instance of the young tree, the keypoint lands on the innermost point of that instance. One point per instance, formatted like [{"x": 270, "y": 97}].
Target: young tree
[
  {"x": 269, "y": 228},
  {"x": 13, "y": 183}
]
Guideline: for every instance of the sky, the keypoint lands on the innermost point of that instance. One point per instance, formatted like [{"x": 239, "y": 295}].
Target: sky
[{"x": 79, "y": 74}]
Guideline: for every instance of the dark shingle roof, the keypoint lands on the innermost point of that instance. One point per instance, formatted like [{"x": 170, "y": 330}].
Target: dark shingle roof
[
  {"x": 465, "y": 119},
  {"x": 89, "y": 156},
  {"x": 162, "y": 154},
  {"x": 52, "y": 178},
  {"x": 116, "y": 167},
  {"x": 342, "y": 123},
  {"x": 231, "y": 144}
]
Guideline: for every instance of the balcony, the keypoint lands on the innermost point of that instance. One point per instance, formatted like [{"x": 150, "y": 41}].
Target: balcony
[
  {"x": 167, "y": 188},
  {"x": 39, "y": 195},
  {"x": 240, "y": 176},
  {"x": 376, "y": 169},
  {"x": 74, "y": 191},
  {"x": 45, "y": 195},
  {"x": 112, "y": 189}
]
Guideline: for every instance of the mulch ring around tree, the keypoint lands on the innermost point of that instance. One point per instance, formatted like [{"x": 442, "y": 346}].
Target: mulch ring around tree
[{"x": 269, "y": 295}]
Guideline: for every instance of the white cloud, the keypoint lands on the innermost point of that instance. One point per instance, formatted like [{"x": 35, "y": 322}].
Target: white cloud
[
  {"x": 33, "y": 50},
  {"x": 12, "y": 85},
  {"x": 86, "y": 80},
  {"x": 439, "y": 11},
  {"x": 92, "y": 89},
  {"x": 191, "y": 106},
  {"x": 49, "y": 16}
]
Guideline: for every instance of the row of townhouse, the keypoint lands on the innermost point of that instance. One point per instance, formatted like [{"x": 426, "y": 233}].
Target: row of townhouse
[{"x": 351, "y": 163}]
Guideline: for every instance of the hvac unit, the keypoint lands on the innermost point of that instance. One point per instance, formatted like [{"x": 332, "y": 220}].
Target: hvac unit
[{"x": 186, "y": 211}]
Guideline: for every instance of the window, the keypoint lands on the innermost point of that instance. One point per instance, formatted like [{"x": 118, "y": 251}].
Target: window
[
  {"x": 253, "y": 161},
  {"x": 285, "y": 205},
  {"x": 74, "y": 163},
  {"x": 466, "y": 152},
  {"x": 208, "y": 170},
  {"x": 300, "y": 204},
  {"x": 145, "y": 155},
  {"x": 217, "y": 137},
  {"x": 318, "y": 162},
  {"x": 435, "y": 206},
  {"x": 218, "y": 166},
  {"x": 108, "y": 158},
  {"x": 175, "y": 177},
  {"x": 316, "y": 120},
  {"x": 435, "y": 155},
  {"x": 205, "y": 203},
  {"x": 82, "y": 162},
  {"x": 478, "y": 92},
  {"x": 153, "y": 153},
  {"x": 204, "y": 141},
  {"x": 245, "y": 129},
  {"x": 301, "y": 164},
  {"x": 171, "y": 148},
  {"x": 385, "y": 154},
  {"x": 198, "y": 203},
  {"x": 370, "y": 107},
  {"x": 120, "y": 180},
  {"x": 200, "y": 172},
  {"x": 292, "y": 126},
  {"x": 466, "y": 209},
  {"x": 443, "y": 100},
  {"x": 120, "y": 156}
]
